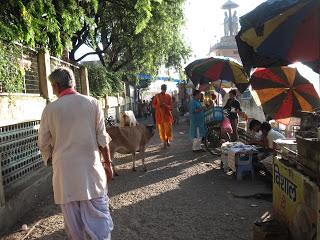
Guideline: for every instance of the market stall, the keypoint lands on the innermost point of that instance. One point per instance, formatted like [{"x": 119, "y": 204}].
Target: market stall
[
  {"x": 296, "y": 181},
  {"x": 211, "y": 75}
]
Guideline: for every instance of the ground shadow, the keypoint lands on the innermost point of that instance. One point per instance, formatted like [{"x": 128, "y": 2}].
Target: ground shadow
[
  {"x": 200, "y": 207},
  {"x": 161, "y": 164},
  {"x": 57, "y": 235}
]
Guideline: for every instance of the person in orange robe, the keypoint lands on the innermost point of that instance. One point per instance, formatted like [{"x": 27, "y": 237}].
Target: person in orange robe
[{"x": 162, "y": 103}]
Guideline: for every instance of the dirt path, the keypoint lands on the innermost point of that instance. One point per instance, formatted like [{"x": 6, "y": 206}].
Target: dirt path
[{"x": 183, "y": 195}]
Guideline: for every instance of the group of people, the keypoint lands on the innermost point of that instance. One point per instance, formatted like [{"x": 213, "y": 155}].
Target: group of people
[
  {"x": 72, "y": 136},
  {"x": 197, "y": 109},
  {"x": 145, "y": 109},
  {"x": 263, "y": 134}
]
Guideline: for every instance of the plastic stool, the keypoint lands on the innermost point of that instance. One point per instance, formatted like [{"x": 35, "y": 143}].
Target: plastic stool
[{"x": 244, "y": 164}]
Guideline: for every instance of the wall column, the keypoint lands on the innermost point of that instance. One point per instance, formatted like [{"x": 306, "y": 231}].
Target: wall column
[
  {"x": 84, "y": 81},
  {"x": 44, "y": 72}
]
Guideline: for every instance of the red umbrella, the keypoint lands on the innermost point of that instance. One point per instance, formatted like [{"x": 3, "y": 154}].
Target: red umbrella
[{"x": 283, "y": 92}]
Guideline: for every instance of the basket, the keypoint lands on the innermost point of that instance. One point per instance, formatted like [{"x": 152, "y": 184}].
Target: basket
[{"x": 214, "y": 114}]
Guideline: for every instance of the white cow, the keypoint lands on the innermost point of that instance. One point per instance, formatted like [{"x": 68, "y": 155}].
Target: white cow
[{"x": 127, "y": 118}]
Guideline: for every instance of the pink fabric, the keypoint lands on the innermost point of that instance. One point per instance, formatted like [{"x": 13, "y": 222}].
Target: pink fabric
[{"x": 226, "y": 125}]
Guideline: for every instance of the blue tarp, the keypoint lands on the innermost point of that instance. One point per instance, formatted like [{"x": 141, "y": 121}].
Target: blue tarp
[{"x": 146, "y": 76}]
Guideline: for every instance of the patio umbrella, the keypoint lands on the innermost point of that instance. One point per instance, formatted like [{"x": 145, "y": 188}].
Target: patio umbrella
[
  {"x": 218, "y": 86},
  {"x": 204, "y": 71},
  {"x": 279, "y": 33},
  {"x": 283, "y": 92}
]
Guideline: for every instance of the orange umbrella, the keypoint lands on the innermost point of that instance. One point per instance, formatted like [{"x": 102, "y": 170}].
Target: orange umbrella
[{"x": 283, "y": 92}]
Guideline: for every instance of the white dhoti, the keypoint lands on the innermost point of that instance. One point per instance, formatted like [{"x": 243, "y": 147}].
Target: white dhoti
[
  {"x": 196, "y": 144},
  {"x": 89, "y": 219}
]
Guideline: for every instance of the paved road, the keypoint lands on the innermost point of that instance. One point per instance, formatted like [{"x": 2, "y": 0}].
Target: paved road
[{"x": 183, "y": 195}]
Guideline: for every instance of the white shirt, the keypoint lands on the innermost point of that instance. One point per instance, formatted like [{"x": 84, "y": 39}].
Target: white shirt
[
  {"x": 272, "y": 136},
  {"x": 256, "y": 136},
  {"x": 71, "y": 129}
]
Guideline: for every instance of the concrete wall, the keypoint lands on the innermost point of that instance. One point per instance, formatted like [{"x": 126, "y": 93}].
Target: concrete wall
[
  {"x": 250, "y": 107},
  {"x": 16, "y": 108}
]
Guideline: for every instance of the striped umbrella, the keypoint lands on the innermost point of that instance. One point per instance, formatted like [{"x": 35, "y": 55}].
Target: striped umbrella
[
  {"x": 280, "y": 33},
  {"x": 283, "y": 92},
  {"x": 204, "y": 71}
]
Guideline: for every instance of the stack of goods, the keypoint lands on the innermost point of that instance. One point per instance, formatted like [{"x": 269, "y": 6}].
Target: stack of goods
[
  {"x": 308, "y": 142},
  {"x": 286, "y": 149},
  {"x": 296, "y": 171},
  {"x": 214, "y": 114}
]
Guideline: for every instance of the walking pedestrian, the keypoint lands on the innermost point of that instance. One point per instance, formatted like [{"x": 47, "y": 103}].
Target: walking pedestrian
[
  {"x": 162, "y": 103},
  {"x": 175, "y": 111},
  {"x": 153, "y": 111},
  {"x": 144, "y": 109},
  {"x": 148, "y": 109},
  {"x": 197, "y": 124},
  {"x": 72, "y": 131}
]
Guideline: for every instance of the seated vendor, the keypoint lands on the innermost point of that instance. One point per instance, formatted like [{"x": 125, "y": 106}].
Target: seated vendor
[
  {"x": 255, "y": 133},
  {"x": 269, "y": 135}
]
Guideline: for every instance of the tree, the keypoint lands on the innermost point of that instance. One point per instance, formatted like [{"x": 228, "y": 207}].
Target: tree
[
  {"x": 45, "y": 23},
  {"x": 136, "y": 36},
  {"x": 129, "y": 36},
  {"x": 101, "y": 81}
]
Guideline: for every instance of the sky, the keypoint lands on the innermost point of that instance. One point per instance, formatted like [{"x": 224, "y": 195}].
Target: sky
[
  {"x": 204, "y": 22},
  {"x": 204, "y": 27}
]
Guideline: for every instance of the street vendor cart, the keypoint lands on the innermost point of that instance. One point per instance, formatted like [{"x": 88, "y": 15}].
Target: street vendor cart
[{"x": 214, "y": 118}]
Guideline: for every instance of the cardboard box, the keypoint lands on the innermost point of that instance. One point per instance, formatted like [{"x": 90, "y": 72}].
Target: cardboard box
[{"x": 296, "y": 202}]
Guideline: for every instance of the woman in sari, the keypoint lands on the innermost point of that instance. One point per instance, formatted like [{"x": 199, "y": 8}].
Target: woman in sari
[{"x": 197, "y": 126}]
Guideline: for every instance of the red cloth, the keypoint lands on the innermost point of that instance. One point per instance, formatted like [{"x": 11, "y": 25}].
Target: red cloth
[{"x": 68, "y": 91}]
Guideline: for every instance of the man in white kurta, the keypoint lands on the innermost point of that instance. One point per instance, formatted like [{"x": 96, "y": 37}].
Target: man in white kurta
[{"x": 71, "y": 132}]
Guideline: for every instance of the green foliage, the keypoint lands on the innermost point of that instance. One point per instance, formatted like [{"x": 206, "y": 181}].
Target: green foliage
[
  {"x": 101, "y": 81},
  {"x": 137, "y": 36},
  {"x": 45, "y": 23},
  {"x": 11, "y": 74},
  {"x": 129, "y": 36}
]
